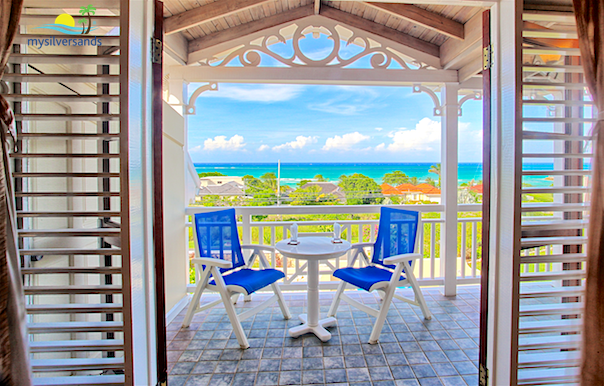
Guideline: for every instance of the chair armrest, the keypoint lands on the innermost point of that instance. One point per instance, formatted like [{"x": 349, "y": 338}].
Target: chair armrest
[
  {"x": 400, "y": 258},
  {"x": 361, "y": 245},
  {"x": 257, "y": 246},
  {"x": 213, "y": 262}
]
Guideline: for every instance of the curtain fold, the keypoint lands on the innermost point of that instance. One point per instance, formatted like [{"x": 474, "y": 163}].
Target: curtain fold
[
  {"x": 14, "y": 353},
  {"x": 590, "y": 27}
]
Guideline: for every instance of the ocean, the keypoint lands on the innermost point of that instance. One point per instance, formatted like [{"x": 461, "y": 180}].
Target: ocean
[{"x": 292, "y": 173}]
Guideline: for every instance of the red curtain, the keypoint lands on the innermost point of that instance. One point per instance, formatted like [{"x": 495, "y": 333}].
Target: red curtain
[
  {"x": 590, "y": 28},
  {"x": 14, "y": 355}
]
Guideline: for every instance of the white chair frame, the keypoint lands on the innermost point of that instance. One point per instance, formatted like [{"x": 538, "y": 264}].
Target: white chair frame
[
  {"x": 229, "y": 294},
  {"x": 387, "y": 289}
]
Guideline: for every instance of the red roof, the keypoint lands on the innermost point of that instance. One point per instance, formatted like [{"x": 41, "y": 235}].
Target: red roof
[
  {"x": 477, "y": 188},
  {"x": 407, "y": 188},
  {"x": 388, "y": 189},
  {"x": 423, "y": 188},
  {"x": 428, "y": 189}
]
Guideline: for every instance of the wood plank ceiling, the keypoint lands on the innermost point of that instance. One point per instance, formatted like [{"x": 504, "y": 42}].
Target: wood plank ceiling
[{"x": 450, "y": 32}]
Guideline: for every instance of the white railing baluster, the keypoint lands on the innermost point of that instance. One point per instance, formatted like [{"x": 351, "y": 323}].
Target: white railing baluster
[
  {"x": 474, "y": 249},
  {"x": 432, "y": 249},
  {"x": 463, "y": 249},
  {"x": 420, "y": 234}
]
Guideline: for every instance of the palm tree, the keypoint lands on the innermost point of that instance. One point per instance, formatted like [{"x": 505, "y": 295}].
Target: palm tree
[
  {"x": 83, "y": 22},
  {"x": 88, "y": 11},
  {"x": 436, "y": 170}
]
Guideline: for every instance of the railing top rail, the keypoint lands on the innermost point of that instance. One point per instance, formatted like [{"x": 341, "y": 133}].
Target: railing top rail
[{"x": 330, "y": 209}]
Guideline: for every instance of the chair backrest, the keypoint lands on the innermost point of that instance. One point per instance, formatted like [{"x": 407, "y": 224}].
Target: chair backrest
[
  {"x": 216, "y": 237},
  {"x": 397, "y": 234}
]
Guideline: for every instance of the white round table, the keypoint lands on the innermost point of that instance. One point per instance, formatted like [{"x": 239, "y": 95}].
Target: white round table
[{"x": 313, "y": 249}]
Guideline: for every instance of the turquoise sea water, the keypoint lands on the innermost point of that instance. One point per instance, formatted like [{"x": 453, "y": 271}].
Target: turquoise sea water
[{"x": 292, "y": 173}]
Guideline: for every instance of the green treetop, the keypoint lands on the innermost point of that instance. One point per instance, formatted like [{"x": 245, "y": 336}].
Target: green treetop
[
  {"x": 360, "y": 189},
  {"x": 395, "y": 178}
]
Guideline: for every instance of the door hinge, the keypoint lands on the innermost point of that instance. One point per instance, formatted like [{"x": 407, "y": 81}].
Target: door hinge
[
  {"x": 487, "y": 57},
  {"x": 483, "y": 376},
  {"x": 156, "y": 50}
]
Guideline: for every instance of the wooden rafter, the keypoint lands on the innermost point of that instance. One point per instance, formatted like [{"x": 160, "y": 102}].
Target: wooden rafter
[
  {"x": 317, "y": 6},
  {"x": 452, "y": 52},
  {"x": 380, "y": 30},
  {"x": 206, "y": 13},
  {"x": 422, "y": 17},
  {"x": 249, "y": 28}
]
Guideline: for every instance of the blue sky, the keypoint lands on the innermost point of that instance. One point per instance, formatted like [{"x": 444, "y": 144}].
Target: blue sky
[
  {"x": 303, "y": 123},
  {"x": 312, "y": 123}
]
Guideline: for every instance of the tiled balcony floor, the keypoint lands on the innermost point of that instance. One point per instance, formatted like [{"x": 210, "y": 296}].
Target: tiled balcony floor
[{"x": 411, "y": 351}]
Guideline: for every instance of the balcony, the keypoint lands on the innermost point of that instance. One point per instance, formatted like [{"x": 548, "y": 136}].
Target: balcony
[{"x": 411, "y": 351}]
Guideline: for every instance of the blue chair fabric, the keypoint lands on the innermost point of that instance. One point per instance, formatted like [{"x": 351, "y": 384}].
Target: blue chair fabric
[
  {"x": 251, "y": 280},
  {"x": 365, "y": 277},
  {"x": 217, "y": 237},
  {"x": 396, "y": 234}
]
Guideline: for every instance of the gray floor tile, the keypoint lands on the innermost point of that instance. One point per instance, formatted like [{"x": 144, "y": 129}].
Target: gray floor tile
[
  {"x": 267, "y": 378},
  {"x": 358, "y": 374},
  {"x": 290, "y": 378}
]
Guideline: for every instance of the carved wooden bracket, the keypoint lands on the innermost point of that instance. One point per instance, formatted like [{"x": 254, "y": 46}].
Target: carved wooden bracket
[{"x": 190, "y": 108}]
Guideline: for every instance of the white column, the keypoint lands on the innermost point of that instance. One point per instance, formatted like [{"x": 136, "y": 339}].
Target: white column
[
  {"x": 140, "y": 346},
  {"x": 502, "y": 347},
  {"x": 448, "y": 174}
]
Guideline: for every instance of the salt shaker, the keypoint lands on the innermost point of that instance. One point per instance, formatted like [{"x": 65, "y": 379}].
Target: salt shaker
[
  {"x": 294, "y": 232},
  {"x": 337, "y": 231}
]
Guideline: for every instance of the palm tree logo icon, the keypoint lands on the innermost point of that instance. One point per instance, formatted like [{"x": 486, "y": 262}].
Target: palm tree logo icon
[{"x": 89, "y": 10}]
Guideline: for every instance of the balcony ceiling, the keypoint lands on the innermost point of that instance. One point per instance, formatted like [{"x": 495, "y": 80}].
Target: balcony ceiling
[{"x": 451, "y": 33}]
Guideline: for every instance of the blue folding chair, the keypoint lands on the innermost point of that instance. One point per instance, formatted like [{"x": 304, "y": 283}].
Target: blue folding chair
[
  {"x": 394, "y": 251},
  {"x": 223, "y": 268}
]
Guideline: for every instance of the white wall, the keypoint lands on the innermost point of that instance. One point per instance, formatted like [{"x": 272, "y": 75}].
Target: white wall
[{"x": 174, "y": 168}]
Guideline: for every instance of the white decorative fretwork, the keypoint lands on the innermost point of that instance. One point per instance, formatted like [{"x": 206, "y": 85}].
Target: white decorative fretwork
[
  {"x": 349, "y": 49},
  {"x": 438, "y": 110},
  {"x": 190, "y": 108},
  {"x": 476, "y": 96}
]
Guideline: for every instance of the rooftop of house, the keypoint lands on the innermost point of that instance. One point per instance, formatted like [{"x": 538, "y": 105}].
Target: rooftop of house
[
  {"x": 410, "y": 188},
  {"x": 227, "y": 189},
  {"x": 477, "y": 188},
  {"x": 327, "y": 188}
]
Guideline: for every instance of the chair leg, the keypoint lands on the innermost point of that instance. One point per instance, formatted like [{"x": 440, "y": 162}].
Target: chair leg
[
  {"x": 194, "y": 305},
  {"x": 235, "y": 298},
  {"x": 228, "y": 306},
  {"x": 379, "y": 323},
  {"x": 281, "y": 300},
  {"x": 336, "y": 300}
]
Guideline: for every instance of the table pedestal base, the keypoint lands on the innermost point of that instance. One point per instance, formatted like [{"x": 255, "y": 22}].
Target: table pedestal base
[{"x": 319, "y": 330}]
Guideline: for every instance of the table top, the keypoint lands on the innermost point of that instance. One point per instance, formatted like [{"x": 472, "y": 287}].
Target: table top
[{"x": 313, "y": 248}]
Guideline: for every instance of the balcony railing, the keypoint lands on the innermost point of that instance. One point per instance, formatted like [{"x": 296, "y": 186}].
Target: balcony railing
[{"x": 429, "y": 270}]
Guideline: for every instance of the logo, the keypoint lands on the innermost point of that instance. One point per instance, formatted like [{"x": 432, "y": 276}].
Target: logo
[{"x": 65, "y": 23}]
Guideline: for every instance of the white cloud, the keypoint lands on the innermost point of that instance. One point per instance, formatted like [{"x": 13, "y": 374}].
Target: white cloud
[
  {"x": 380, "y": 147},
  {"x": 263, "y": 147},
  {"x": 299, "y": 143},
  {"x": 425, "y": 137},
  {"x": 344, "y": 142},
  {"x": 379, "y": 128},
  {"x": 334, "y": 107},
  {"x": 221, "y": 143},
  {"x": 257, "y": 93}
]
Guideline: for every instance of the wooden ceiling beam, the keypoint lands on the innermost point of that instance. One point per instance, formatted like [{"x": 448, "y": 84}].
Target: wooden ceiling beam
[
  {"x": 379, "y": 30},
  {"x": 206, "y": 13},
  {"x": 422, "y": 17},
  {"x": 452, "y": 49},
  {"x": 249, "y": 28},
  {"x": 469, "y": 70}
]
